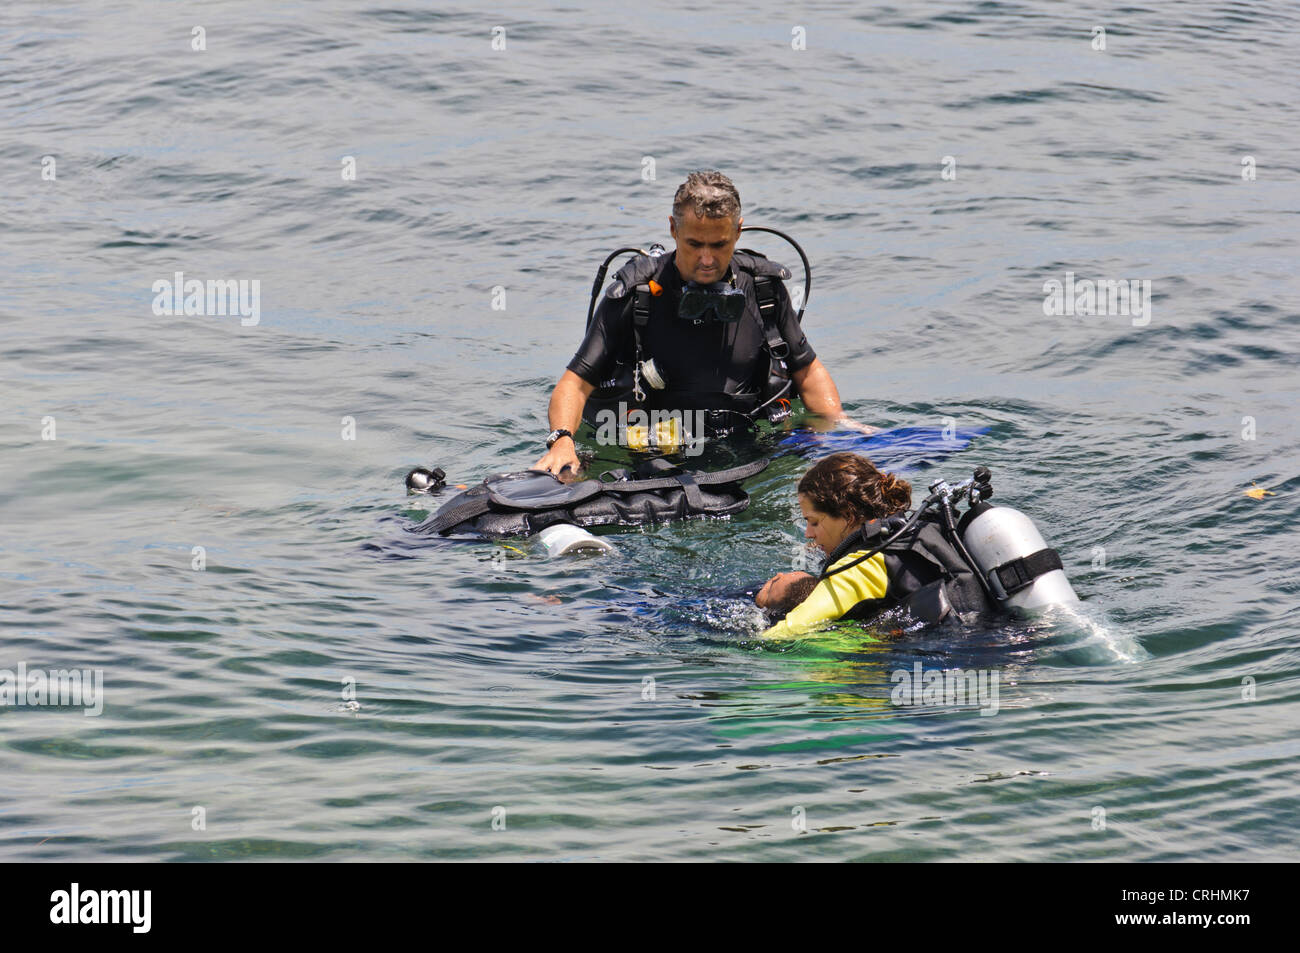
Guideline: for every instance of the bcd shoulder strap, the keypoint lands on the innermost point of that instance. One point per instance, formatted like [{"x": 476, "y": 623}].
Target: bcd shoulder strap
[
  {"x": 635, "y": 277},
  {"x": 765, "y": 273}
]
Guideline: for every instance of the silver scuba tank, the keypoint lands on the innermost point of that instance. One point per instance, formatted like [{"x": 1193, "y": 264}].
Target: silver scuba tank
[
  {"x": 1022, "y": 570},
  {"x": 565, "y": 538}
]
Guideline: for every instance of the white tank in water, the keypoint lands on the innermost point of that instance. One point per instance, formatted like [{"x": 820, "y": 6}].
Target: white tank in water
[
  {"x": 1000, "y": 534},
  {"x": 564, "y": 538}
]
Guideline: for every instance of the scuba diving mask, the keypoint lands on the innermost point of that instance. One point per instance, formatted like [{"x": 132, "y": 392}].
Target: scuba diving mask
[{"x": 721, "y": 300}]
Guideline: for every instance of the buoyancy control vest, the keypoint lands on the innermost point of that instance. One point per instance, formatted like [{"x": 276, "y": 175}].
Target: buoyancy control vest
[
  {"x": 630, "y": 385},
  {"x": 527, "y": 502},
  {"x": 926, "y": 573}
]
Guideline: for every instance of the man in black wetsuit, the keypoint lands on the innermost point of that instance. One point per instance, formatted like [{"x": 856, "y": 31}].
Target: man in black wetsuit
[{"x": 707, "y": 365}]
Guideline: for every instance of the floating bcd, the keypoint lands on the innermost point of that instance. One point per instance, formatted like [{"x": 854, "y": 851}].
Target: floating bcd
[{"x": 526, "y": 502}]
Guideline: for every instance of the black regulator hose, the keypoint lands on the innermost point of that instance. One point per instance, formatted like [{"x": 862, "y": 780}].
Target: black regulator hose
[
  {"x": 600, "y": 277},
  {"x": 807, "y": 268},
  {"x": 827, "y": 573},
  {"x": 753, "y": 414},
  {"x": 951, "y": 524}
]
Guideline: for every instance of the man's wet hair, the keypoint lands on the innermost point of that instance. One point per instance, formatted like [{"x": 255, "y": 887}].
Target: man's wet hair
[
  {"x": 708, "y": 195},
  {"x": 795, "y": 593}
]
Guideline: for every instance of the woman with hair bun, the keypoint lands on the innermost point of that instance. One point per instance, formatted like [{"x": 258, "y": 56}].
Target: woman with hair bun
[{"x": 844, "y": 500}]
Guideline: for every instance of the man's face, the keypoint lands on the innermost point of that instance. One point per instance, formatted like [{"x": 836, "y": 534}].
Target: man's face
[{"x": 704, "y": 246}]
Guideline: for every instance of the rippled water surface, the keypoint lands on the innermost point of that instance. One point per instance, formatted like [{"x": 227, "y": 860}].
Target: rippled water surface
[{"x": 620, "y": 708}]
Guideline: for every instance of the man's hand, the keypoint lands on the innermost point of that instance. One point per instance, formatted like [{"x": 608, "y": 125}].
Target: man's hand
[
  {"x": 822, "y": 397},
  {"x": 822, "y": 424},
  {"x": 846, "y": 423},
  {"x": 562, "y": 460},
  {"x": 565, "y": 412}
]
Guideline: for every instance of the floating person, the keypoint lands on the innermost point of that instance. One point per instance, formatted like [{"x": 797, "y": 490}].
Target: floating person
[{"x": 706, "y": 336}]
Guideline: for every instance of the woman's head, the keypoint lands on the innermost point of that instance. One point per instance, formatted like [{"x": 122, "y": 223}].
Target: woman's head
[{"x": 840, "y": 493}]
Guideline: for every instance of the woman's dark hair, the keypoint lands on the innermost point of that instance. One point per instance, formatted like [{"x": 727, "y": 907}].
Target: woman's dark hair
[{"x": 848, "y": 486}]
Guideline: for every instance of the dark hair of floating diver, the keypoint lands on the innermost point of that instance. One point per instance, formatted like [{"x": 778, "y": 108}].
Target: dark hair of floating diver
[{"x": 783, "y": 595}]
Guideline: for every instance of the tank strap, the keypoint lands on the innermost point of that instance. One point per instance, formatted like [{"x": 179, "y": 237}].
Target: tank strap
[
  {"x": 640, "y": 318},
  {"x": 641, "y": 306},
  {"x": 1020, "y": 573},
  {"x": 765, "y": 291},
  {"x": 692, "y": 491},
  {"x": 634, "y": 277},
  {"x": 765, "y": 273}
]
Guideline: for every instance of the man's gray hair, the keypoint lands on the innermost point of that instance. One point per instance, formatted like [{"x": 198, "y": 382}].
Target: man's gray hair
[{"x": 708, "y": 195}]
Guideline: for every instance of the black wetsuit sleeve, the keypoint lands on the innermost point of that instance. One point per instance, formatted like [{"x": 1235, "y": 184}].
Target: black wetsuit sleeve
[
  {"x": 594, "y": 360},
  {"x": 801, "y": 352}
]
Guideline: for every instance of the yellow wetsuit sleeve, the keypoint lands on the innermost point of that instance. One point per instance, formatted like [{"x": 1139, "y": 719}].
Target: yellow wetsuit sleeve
[{"x": 835, "y": 596}]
